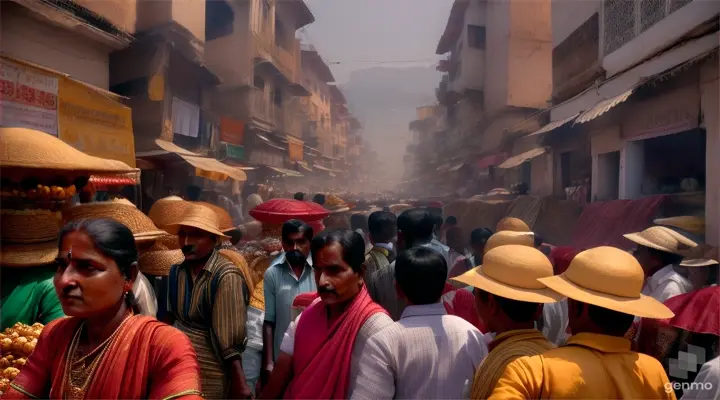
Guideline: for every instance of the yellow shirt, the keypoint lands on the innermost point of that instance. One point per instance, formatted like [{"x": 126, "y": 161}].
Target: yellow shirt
[
  {"x": 590, "y": 366},
  {"x": 507, "y": 347}
]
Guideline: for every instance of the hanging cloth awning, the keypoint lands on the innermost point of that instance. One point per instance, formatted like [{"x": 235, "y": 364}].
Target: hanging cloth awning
[
  {"x": 285, "y": 171},
  {"x": 326, "y": 169},
  {"x": 514, "y": 161},
  {"x": 443, "y": 167},
  {"x": 554, "y": 125},
  {"x": 304, "y": 165},
  {"x": 602, "y": 107},
  {"x": 205, "y": 167}
]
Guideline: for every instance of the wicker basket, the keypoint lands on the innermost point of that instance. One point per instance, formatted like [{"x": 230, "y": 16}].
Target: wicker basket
[{"x": 30, "y": 226}]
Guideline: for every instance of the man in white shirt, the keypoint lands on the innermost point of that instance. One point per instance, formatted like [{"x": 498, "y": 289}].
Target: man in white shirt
[
  {"x": 660, "y": 251},
  {"x": 427, "y": 353}
]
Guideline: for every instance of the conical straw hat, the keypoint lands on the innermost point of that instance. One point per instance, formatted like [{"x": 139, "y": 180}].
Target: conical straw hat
[
  {"x": 610, "y": 278},
  {"x": 663, "y": 239},
  {"x": 512, "y": 224},
  {"x": 200, "y": 217},
  {"x": 504, "y": 238},
  {"x": 28, "y": 148},
  {"x": 512, "y": 271}
]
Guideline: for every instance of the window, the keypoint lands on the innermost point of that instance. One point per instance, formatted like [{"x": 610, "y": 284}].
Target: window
[
  {"x": 476, "y": 37},
  {"x": 218, "y": 19},
  {"x": 277, "y": 97}
]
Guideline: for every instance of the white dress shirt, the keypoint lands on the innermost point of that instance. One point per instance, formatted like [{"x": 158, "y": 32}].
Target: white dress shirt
[
  {"x": 555, "y": 322},
  {"x": 145, "y": 296},
  {"x": 666, "y": 283},
  {"x": 427, "y": 354}
]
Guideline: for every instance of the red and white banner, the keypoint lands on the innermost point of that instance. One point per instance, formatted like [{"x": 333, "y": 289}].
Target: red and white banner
[{"x": 28, "y": 99}]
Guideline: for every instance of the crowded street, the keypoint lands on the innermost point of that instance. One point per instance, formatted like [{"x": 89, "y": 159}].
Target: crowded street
[{"x": 359, "y": 199}]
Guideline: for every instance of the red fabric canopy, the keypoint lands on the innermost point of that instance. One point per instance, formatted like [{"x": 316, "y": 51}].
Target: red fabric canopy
[
  {"x": 697, "y": 312},
  {"x": 277, "y": 211}
]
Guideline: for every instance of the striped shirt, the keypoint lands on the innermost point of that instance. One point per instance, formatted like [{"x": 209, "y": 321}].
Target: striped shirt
[
  {"x": 281, "y": 285},
  {"x": 227, "y": 311}
]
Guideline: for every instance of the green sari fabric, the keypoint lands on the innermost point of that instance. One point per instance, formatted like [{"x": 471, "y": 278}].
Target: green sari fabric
[{"x": 28, "y": 296}]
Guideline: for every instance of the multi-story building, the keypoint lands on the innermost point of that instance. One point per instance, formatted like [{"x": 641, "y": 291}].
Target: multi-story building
[
  {"x": 340, "y": 117},
  {"x": 251, "y": 47},
  {"x": 636, "y": 101},
  {"x": 498, "y": 75},
  {"x": 55, "y": 75},
  {"x": 316, "y": 76}
]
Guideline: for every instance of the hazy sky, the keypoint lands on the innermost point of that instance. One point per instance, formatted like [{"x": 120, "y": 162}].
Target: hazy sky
[{"x": 359, "y": 32}]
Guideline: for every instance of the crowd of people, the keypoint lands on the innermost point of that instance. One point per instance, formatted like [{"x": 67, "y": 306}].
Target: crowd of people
[{"x": 379, "y": 304}]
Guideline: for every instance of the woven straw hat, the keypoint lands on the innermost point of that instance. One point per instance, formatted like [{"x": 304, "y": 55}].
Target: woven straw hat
[
  {"x": 139, "y": 224},
  {"x": 167, "y": 211},
  {"x": 28, "y": 148},
  {"x": 610, "y": 278},
  {"x": 158, "y": 260},
  {"x": 702, "y": 256},
  {"x": 226, "y": 223},
  {"x": 663, "y": 239},
  {"x": 694, "y": 225},
  {"x": 504, "y": 238},
  {"x": 30, "y": 226},
  {"x": 512, "y": 224},
  {"x": 512, "y": 272},
  {"x": 29, "y": 237},
  {"x": 198, "y": 216}
]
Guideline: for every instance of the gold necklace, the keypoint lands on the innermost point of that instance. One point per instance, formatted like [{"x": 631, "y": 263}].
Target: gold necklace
[{"x": 78, "y": 375}]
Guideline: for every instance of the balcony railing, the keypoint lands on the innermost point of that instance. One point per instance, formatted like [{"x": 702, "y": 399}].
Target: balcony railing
[{"x": 285, "y": 61}]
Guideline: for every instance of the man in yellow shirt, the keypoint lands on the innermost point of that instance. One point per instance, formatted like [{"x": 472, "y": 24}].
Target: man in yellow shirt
[
  {"x": 603, "y": 286},
  {"x": 510, "y": 299}
]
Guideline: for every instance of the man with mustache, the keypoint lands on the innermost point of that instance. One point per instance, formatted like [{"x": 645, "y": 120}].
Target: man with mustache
[
  {"x": 289, "y": 275},
  {"x": 207, "y": 299}
]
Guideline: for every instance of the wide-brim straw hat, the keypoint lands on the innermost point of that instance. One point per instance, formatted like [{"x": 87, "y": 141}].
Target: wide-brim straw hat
[
  {"x": 200, "y": 217},
  {"x": 158, "y": 260},
  {"x": 140, "y": 225},
  {"x": 694, "y": 225},
  {"x": 226, "y": 222},
  {"x": 702, "y": 256},
  {"x": 28, "y": 148},
  {"x": 512, "y": 272},
  {"x": 167, "y": 211},
  {"x": 512, "y": 224},
  {"x": 663, "y": 239},
  {"x": 504, "y": 238},
  {"x": 610, "y": 278},
  {"x": 28, "y": 254}
]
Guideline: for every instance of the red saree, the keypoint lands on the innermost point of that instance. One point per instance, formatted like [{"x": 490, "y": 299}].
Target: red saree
[
  {"x": 321, "y": 363},
  {"x": 148, "y": 360}
]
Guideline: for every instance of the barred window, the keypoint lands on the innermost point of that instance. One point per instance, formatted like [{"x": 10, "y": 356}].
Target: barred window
[
  {"x": 619, "y": 22},
  {"x": 651, "y": 11}
]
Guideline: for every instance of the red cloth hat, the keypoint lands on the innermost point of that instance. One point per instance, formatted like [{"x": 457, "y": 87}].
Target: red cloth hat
[{"x": 277, "y": 211}]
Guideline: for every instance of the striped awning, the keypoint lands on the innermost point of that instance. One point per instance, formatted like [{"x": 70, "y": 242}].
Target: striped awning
[
  {"x": 285, "y": 171},
  {"x": 304, "y": 165},
  {"x": 602, "y": 107},
  {"x": 554, "y": 125},
  {"x": 514, "y": 161}
]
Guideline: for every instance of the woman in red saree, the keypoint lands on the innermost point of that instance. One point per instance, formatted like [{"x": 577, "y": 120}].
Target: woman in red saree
[{"x": 105, "y": 350}]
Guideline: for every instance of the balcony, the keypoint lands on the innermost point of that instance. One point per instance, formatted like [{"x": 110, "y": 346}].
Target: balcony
[
  {"x": 288, "y": 120},
  {"x": 285, "y": 61}
]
